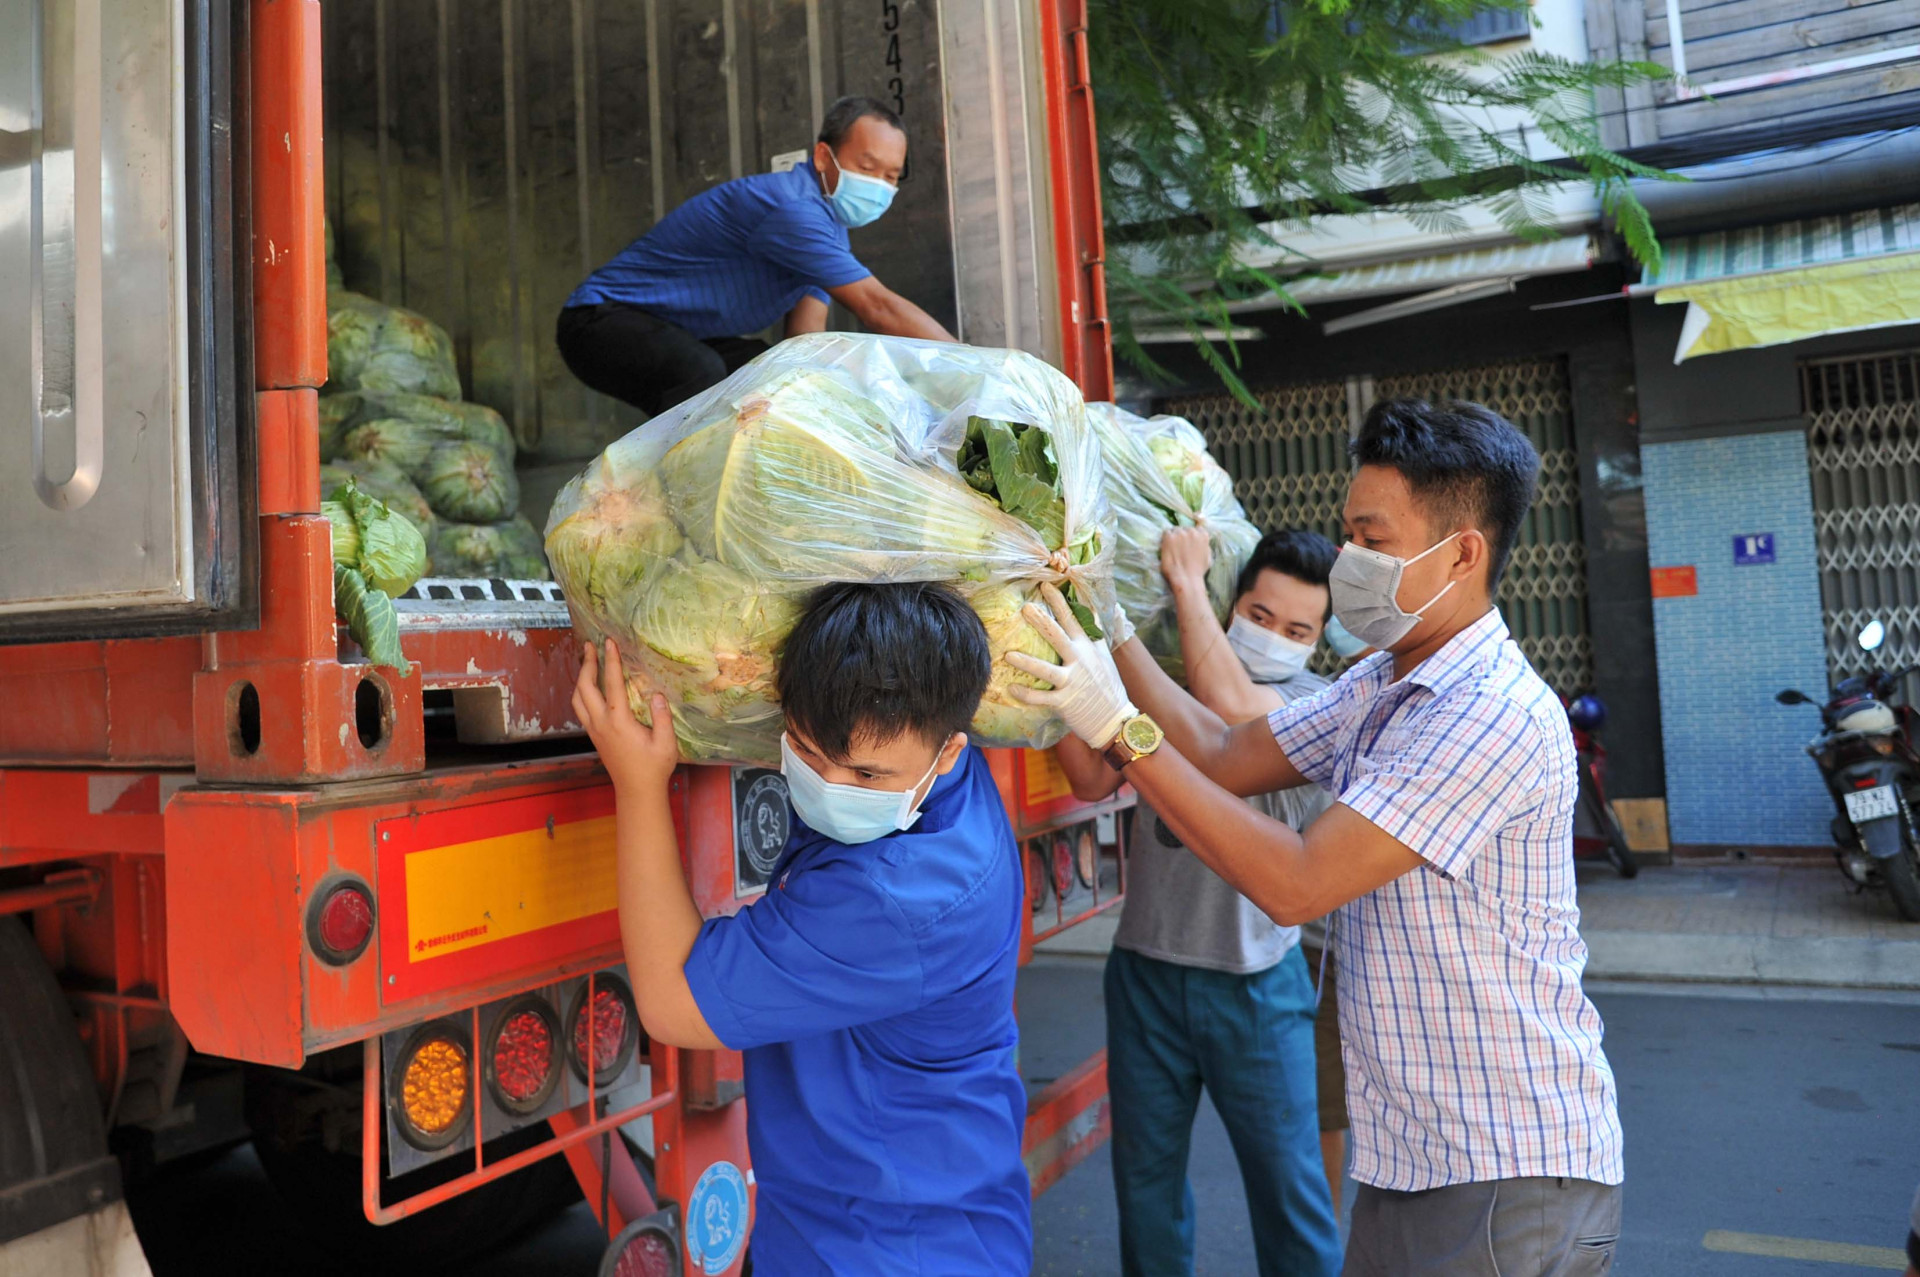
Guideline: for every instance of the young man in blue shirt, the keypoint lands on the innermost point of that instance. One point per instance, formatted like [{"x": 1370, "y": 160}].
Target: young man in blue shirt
[
  {"x": 871, "y": 988},
  {"x": 668, "y": 316}
]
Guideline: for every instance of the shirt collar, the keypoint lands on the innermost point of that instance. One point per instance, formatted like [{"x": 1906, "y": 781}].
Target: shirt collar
[
  {"x": 807, "y": 177},
  {"x": 1462, "y": 654}
]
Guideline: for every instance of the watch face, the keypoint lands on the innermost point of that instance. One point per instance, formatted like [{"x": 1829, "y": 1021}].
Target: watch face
[{"x": 1141, "y": 734}]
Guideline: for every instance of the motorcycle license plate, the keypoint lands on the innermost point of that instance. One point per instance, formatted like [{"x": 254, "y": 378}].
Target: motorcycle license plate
[{"x": 1872, "y": 804}]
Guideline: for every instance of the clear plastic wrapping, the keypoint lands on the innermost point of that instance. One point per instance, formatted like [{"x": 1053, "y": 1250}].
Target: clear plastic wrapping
[
  {"x": 834, "y": 457},
  {"x": 1159, "y": 475}
]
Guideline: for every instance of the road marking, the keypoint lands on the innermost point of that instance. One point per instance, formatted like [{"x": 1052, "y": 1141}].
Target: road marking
[{"x": 1882, "y": 1257}]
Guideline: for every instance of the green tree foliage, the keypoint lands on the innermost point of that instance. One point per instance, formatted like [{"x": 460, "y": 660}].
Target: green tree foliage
[{"x": 1222, "y": 121}]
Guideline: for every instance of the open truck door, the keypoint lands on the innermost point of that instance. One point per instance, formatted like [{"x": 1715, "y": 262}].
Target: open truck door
[{"x": 125, "y": 440}]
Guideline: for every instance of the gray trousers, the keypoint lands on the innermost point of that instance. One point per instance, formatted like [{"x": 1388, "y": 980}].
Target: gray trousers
[{"x": 1540, "y": 1227}]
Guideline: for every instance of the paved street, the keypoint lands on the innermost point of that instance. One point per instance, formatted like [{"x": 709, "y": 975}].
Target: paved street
[
  {"x": 1772, "y": 1119},
  {"x": 1782, "y": 1116}
]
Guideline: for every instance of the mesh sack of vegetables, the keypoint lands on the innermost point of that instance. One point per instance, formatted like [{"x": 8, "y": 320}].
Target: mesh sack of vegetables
[
  {"x": 383, "y": 482},
  {"x": 445, "y": 420},
  {"x": 1159, "y": 475},
  {"x": 510, "y": 550},
  {"x": 469, "y": 482},
  {"x": 833, "y": 457},
  {"x": 373, "y": 346},
  {"x": 526, "y": 551},
  {"x": 338, "y": 414}
]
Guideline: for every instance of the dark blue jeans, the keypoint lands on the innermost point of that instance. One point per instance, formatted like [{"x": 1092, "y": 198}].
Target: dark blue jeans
[{"x": 1248, "y": 1039}]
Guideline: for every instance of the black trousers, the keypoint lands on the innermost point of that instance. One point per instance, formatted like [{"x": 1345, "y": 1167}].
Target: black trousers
[{"x": 641, "y": 359}]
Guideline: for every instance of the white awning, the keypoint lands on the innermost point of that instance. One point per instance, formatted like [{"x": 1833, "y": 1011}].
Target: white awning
[{"x": 1508, "y": 262}]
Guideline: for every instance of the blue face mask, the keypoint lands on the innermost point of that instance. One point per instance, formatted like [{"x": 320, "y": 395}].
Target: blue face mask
[
  {"x": 847, "y": 814},
  {"x": 858, "y": 199}
]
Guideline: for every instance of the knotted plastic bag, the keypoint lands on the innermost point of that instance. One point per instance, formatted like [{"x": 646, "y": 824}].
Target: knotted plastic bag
[
  {"x": 1159, "y": 475},
  {"x": 693, "y": 541}
]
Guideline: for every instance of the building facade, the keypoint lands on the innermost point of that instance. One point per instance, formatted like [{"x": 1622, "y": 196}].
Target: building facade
[{"x": 1731, "y": 446}]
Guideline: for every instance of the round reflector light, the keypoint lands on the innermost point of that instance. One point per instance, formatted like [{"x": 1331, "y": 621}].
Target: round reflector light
[
  {"x": 604, "y": 1030},
  {"x": 431, "y": 1095},
  {"x": 645, "y": 1248},
  {"x": 521, "y": 1068},
  {"x": 648, "y": 1255},
  {"x": 341, "y": 922}
]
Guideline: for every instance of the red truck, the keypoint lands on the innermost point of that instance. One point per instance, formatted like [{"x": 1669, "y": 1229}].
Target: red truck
[{"x": 252, "y": 887}]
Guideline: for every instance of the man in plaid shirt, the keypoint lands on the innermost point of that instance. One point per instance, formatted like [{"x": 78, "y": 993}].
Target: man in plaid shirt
[{"x": 1486, "y": 1138}]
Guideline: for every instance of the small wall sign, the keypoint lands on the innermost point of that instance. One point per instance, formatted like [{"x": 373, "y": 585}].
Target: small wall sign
[
  {"x": 1675, "y": 583},
  {"x": 1752, "y": 547}
]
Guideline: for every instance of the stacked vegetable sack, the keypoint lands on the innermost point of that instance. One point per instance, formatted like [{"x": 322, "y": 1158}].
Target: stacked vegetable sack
[{"x": 392, "y": 420}]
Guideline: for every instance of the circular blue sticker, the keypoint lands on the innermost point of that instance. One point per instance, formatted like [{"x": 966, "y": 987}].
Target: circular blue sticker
[{"x": 717, "y": 1218}]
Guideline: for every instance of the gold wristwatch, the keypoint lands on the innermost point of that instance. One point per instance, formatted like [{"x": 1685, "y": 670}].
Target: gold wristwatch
[{"x": 1137, "y": 737}]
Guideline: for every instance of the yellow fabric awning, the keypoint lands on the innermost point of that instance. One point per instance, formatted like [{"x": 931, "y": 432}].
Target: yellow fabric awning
[{"x": 1746, "y": 311}]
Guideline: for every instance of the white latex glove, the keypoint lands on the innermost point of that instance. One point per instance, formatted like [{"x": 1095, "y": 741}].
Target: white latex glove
[
  {"x": 1119, "y": 628},
  {"x": 1087, "y": 691}
]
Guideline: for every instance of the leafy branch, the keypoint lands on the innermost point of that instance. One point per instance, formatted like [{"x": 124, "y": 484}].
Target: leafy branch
[{"x": 1225, "y": 122}]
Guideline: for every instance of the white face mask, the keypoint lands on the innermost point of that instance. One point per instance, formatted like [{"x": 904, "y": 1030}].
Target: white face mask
[
  {"x": 1366, "y": 593},
  {"x": 1269, "y": 657},
  {"x": 848, "y": 814}
]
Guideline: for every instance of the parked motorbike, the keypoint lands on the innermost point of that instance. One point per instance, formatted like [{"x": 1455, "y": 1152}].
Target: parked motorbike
[
  {"x": 1595, "y": 826},
  {"x": 1865, "y": 754}
]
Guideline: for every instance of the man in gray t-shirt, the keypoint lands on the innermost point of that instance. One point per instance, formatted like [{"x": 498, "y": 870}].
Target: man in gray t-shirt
[
  {"x": 1202, "y": 988},
  {"x": 1180, "y": 911}
]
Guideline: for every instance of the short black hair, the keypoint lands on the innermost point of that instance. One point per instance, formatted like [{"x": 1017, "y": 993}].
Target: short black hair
[
  {"x": 1468, "y": 465},
  {"x": 1300, "y": 553},
  {"x": 848, "y": 111},
  {"x": 881, "y": 660}
]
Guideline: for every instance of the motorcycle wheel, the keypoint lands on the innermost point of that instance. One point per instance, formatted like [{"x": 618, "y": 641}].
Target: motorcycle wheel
[
  {"x": 1902, "y": 877},
  {"x": 1618, "y": 852}
]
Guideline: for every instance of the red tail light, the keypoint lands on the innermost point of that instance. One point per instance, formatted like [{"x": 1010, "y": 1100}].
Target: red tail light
[
  {"x": 605, "y": 1030},
  {"x": 341, "y": 922},
  {"x": 1865, "y": 782},
  {"x": 522, "y": 1063}
]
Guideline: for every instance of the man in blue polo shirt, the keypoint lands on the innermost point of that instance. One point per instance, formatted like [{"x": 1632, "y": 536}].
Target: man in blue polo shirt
[
  {"x": 670, "y": 315},
  {"x": 871, "y": 987}
]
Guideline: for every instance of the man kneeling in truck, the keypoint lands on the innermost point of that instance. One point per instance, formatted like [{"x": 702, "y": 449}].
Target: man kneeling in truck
[
  {"x": 668, "y": 316},
  {"x": 871, "y": 988}
]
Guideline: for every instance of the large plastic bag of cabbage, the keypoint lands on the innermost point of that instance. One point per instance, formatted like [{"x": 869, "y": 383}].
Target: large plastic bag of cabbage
[
  {"x": 833, "y": 457},
  {"x": 1159, "y": 475}
]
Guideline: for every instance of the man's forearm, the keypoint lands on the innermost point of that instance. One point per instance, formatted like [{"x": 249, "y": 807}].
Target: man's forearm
[
  {"x": 1259, "y": 856},
  {"x": 658, "y": 919},
  {"x": 898, "y": 317},
  {"x": 1198, "y": 731},
  {"x": 1218, "y": 679},
  {"x": 1243, "y": 760},
  {"x": 1087, "y": 773}
]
